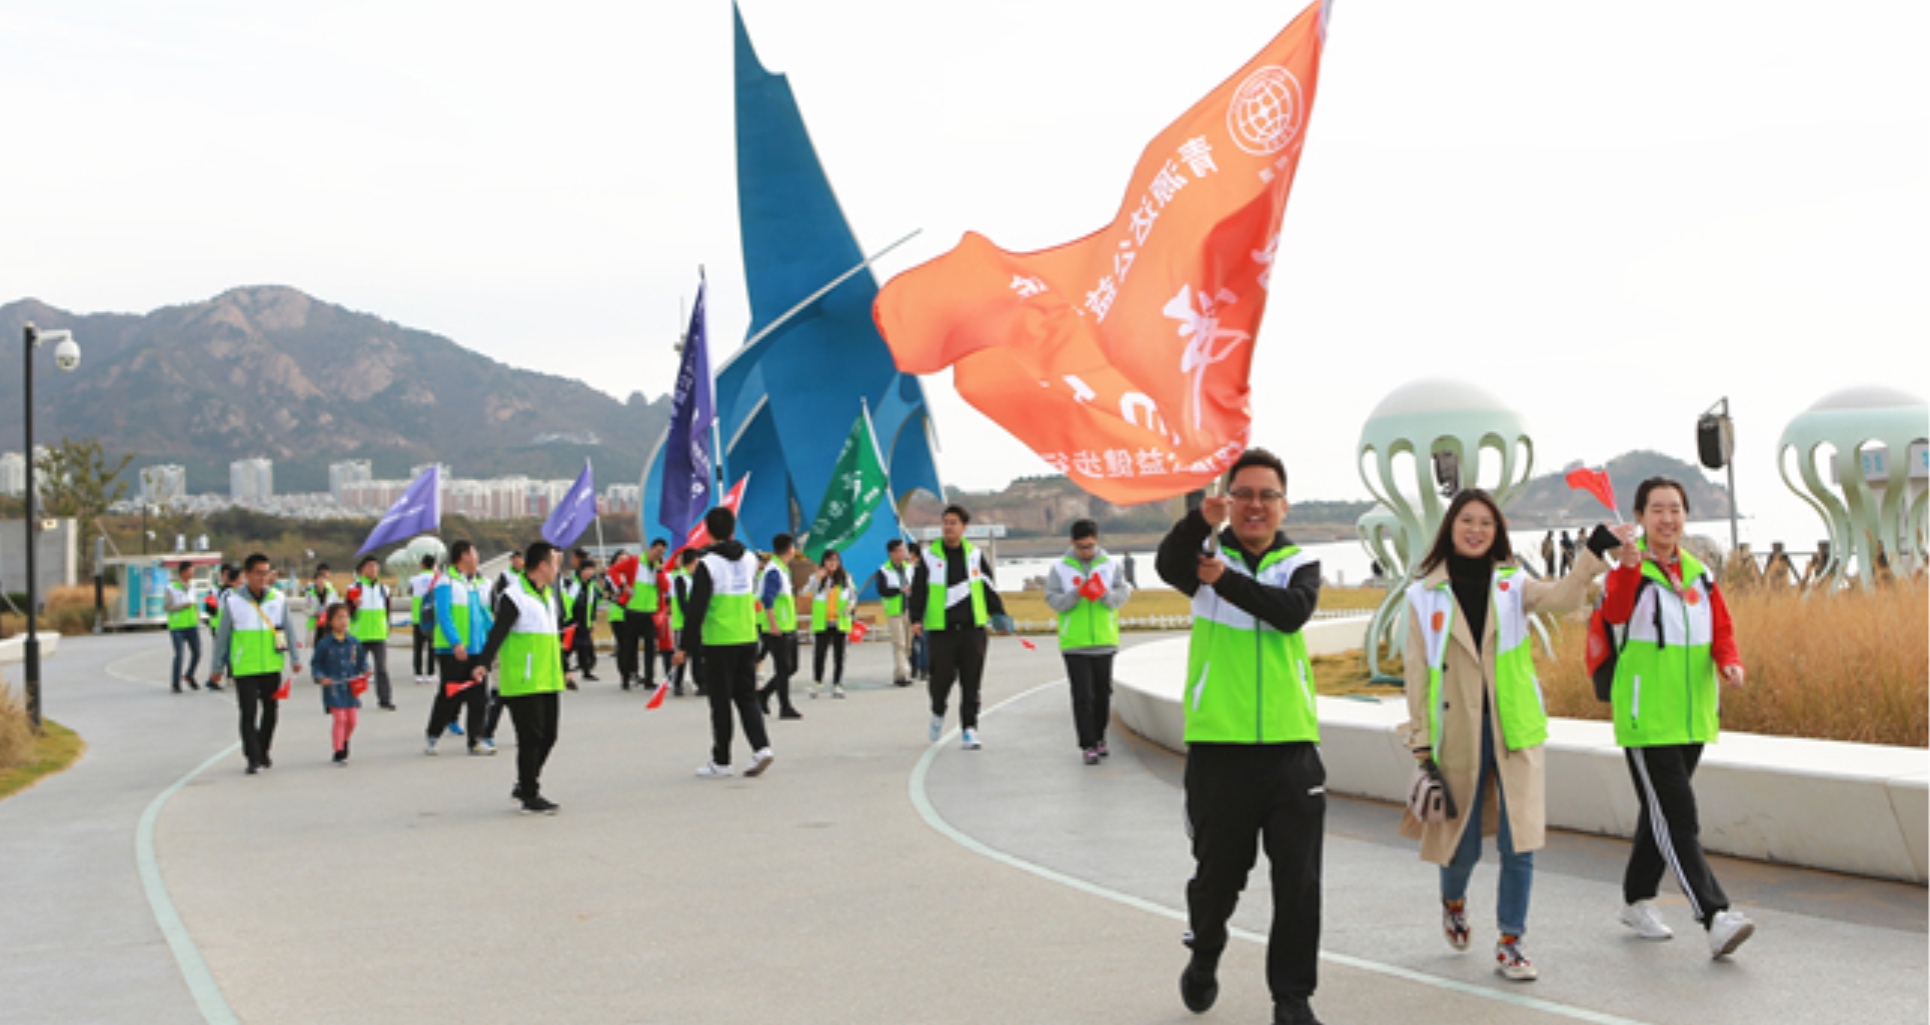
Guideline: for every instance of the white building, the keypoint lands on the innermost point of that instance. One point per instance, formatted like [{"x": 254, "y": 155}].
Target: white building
[
  {"x": 251, "y": 479},
  {"x": 13, "y": 474},
  {"x": 349, "y": 471},
  {"x": 164, "y": 483},
  {"x": 622, "y": 499}
]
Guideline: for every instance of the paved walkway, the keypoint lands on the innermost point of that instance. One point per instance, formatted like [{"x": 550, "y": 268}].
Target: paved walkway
[{"x": 868, "y": 877}]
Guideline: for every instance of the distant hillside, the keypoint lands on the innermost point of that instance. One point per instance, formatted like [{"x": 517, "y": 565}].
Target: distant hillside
[
  {"x": 1044, "y": 507},
  {"x": 1548, "y": 502},
  {"x": 271, "y": 371}
]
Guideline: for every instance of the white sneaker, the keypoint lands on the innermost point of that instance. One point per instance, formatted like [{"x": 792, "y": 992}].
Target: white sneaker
[
  {"x": 1511, "y": 963},
  {"x": 712, "y": 770},
  {"x": 814, "y": 690},
  {"x": 1643, "y": 917},
  {"x": 488, "y": 746},
  {"x": 1728, "y": 932},
  {"x": 969, "y": 740},
  {"x": 760, "y": 761},
  {"x": 937, "y": 727},
  {"x": 430, "y": 747},
  {"x": 837, "y": 690}
]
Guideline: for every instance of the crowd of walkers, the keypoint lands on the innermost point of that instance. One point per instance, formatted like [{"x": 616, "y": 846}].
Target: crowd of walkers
[{"x": 1253, "y": 775}]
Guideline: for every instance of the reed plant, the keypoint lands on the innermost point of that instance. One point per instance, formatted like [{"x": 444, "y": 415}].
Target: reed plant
[
  {"x": 1842, "y": 666},
  {"x": 16, "y": 735}
]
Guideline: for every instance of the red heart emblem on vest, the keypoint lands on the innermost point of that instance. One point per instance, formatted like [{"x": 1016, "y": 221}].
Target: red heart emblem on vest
[
  {"x": 1692, "y": 596},
  {"x": 1440, "y": 620},
  {"x": 1503, "y": 585}
]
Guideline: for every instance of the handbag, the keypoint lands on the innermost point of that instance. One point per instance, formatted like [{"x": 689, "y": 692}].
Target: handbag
[{"x": 1428, "y": 797}]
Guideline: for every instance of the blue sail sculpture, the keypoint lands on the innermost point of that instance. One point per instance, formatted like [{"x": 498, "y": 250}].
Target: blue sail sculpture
[{"x": 786, "y": 403}]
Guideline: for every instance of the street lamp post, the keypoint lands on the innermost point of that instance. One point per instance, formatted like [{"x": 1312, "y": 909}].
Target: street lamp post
[{"x": 67, "y": 357}]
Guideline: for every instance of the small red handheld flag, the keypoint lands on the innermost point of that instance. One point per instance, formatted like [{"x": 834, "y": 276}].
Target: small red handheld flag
[
  {"x": 569, "y": 637},
  {"x": 1029, "y": 646},
  {"x": 282, "y": 694},
  {"x": 1094, "y": 588},
  {"x": 858, "y": 630},
  {"x": 656, "y": 699},
  {"x": 359, "y": 685},
  {"x": 1596, "y": 483},
  {"x": 452, "y": 689}
]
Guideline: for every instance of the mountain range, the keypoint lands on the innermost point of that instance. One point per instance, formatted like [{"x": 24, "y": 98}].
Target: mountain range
[{"x": 270, "y": 371}]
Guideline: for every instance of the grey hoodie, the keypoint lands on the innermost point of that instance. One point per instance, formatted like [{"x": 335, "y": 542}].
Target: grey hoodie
[{"x": 1060, "y": 600}]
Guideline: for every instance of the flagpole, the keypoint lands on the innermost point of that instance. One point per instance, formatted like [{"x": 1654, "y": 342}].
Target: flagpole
[
  {"x": 890, "y": 495},
  {"x": 819, "y": 294},
  {"x": 596, "y": 513},
  {"x": 722, "y": 457}
]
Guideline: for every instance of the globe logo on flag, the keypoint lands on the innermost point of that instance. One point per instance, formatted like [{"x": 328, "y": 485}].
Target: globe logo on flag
[{"x": 1264, "y": 115}]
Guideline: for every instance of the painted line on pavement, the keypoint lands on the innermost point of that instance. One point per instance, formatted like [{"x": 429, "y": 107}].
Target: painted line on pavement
[
  {"x": 194, "y": 969},
  {"x": 929, "y": 813}
]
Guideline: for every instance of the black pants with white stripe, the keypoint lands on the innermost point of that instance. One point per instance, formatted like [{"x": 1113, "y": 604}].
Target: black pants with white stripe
[{"x": 1667, "y": 834}]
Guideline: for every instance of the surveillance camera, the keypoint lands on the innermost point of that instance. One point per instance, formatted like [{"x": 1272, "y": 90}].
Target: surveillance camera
[{"x": 67, "y": 354}]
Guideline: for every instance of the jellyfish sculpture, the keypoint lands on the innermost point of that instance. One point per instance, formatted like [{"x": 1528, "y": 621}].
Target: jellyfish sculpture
[
  {"x": 1425, "y": 441},
  {"x": 1873, "y": 443}
]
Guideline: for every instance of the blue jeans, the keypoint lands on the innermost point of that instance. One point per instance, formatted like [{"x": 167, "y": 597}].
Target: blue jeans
[
  {"x": 190, "y": 639},
  {"x": 1517, "y": 869}
]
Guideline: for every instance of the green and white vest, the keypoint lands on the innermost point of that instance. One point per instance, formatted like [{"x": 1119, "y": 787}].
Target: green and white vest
[
  {"x": 731, "y": 617},
  {"x": 1248, "y": 683},
  {"x": 939, "y": 598},
  {"x": 1089, "y": 624},
  {"x": 1517, "y": 691},
  {"x": 251, "y": 632},
  {"x": 1665, "y": 689},
  {"x": 531, "y": 658}
]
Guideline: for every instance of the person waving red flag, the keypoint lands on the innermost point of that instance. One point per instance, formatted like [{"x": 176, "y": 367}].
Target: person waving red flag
[{"x": 1122, "y": 358}]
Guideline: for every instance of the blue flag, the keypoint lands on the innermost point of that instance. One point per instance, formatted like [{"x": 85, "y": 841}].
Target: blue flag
[
  {"x": 574, "y": 514},
  {"x": 418, "y": 511},
  {"x": 688, "y": 476}
]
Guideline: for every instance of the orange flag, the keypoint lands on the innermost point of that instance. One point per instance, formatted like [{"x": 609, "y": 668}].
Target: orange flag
[{"x": 1122, "y": 358}]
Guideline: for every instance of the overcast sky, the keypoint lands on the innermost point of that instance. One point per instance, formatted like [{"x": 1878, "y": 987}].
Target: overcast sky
[{"x": 1611, "y": 221}]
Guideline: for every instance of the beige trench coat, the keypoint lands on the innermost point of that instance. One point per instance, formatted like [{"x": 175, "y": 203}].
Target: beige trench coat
[{"x": 1522, "y": 773}]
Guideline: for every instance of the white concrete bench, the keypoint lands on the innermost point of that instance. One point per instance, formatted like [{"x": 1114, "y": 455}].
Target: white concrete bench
[{"x": 1859, "y": 808}]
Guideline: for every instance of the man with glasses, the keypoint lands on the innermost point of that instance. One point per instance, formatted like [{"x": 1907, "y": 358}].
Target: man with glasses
[
  {"x": 1253, "y": 769},
  {"x": 255, "y": 644}
]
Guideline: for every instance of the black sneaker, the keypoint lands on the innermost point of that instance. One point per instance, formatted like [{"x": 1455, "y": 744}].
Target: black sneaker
[
  {"x": 193, "y": 685},
  {"x": 253, "y": 768},
  {"x": 1294, "y": 1011},
  {"x": 589, "y": 677},
  {"x": 387, "y": 707},
  {"x": 626, "y": 683},
  {"x": 516, "y": 792},
  {"x": 215, "y": 687},
  {"x": 1199, "y": 985},
  {"x": 341, "y": 757},
  {"x": 177, "y": 686},
  {"x": 790, "y": 713},
  {"x": 267, "y": 762},
  {"x": 540, "y": 805}
]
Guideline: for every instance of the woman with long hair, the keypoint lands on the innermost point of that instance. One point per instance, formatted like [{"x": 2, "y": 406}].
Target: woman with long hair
[
  {"x": 832, "y": 599},
  {"x": 1474, "y": 707}
]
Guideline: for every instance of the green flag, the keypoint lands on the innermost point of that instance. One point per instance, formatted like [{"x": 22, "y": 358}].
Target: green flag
[{"x": 857, "y": 485}]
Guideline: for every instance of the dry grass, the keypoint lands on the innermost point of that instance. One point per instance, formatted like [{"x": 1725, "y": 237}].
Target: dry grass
[
  {"x": 1845, "y": 666},
  {"x": 1029, "y": 606},
  {"x": 65, "y": 610},
  {"x": 16, "y": 737},
  {"x": 24, "y": 758}
]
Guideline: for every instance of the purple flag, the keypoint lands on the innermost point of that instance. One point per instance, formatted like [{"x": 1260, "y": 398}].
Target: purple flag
[
  {"x": 574, "y": 514},
  {"x": 418, "y": 511},
  {"x": 688, "y": 474}
]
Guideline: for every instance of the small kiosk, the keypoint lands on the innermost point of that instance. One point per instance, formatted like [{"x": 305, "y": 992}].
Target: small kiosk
[{"x": 142, "y": 581}]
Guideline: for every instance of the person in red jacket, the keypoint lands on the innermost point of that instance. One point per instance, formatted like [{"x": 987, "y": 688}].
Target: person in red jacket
[{"x": 1676, "y": 642}]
